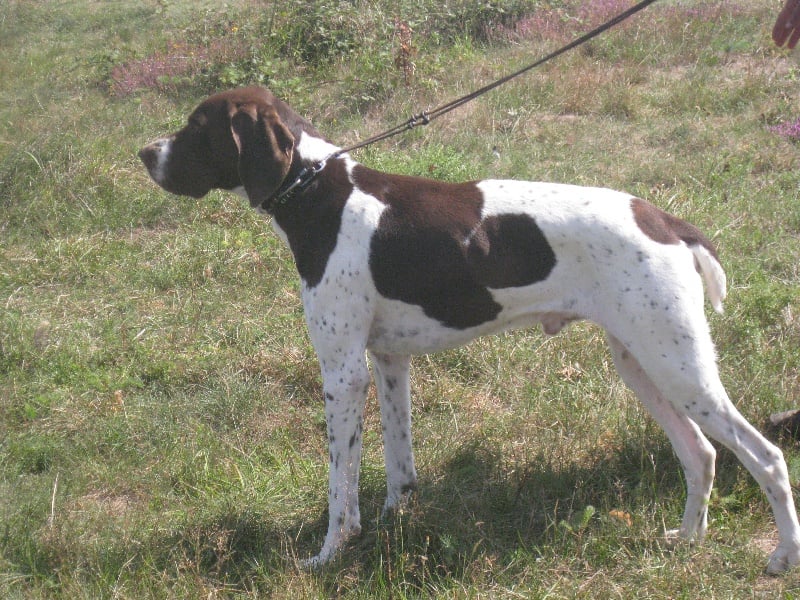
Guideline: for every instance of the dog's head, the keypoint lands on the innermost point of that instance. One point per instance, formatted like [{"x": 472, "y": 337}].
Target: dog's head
[{"x": 244, "y": 137}]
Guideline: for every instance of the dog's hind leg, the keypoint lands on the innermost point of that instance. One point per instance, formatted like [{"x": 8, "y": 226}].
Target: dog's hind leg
[
  {"x": 394, "y": 396},
  {"x": 766, "y": 463},
  {"x": 685, "y": 374},
  {"x": 695, "y": 452}
]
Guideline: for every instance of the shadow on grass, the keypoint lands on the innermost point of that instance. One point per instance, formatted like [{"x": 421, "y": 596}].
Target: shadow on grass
[{"x": 473, "y": 512}]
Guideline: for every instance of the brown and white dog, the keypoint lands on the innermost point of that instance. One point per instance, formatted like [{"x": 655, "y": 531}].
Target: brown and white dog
[{"x": 393, "y": 266}]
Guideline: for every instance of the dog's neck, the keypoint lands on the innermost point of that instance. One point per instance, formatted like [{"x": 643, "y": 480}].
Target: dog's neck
[
  {"x": 310, "y": 157},
  {"x": 311, "y": 149}
]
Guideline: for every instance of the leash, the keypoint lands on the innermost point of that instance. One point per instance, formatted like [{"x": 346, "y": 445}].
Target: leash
[{"x": 307, "y": 174}]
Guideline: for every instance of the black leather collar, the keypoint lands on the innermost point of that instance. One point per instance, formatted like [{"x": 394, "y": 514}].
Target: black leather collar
[{"x": 285, "y": 192}]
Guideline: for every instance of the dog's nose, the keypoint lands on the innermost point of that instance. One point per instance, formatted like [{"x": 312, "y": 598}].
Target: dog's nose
[
  {"x": 154, "y": 156},
  {"x": 148, "y": 156}
]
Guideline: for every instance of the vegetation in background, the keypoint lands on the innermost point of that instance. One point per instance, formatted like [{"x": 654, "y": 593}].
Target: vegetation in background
[{"x": 161, "y": 428}]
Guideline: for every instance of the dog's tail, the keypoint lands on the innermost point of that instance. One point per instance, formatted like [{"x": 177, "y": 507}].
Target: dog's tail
[{"x": 713, "y": 275}]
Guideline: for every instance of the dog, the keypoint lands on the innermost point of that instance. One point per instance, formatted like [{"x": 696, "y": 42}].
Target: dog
[{"x": 393, "y": 266}]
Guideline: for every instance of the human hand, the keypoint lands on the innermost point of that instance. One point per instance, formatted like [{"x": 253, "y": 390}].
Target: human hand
[{"x": 787, "y": 26}]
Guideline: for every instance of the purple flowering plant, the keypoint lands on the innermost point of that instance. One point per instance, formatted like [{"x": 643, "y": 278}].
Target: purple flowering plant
[{"x": 789, "y": 130}]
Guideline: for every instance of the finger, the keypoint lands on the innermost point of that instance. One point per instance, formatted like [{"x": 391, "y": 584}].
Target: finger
[
  {"x": 787, "y": 21},
  {"x": 779, "y": 33}
]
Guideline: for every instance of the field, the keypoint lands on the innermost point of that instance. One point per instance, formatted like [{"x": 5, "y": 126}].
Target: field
[{"x": 161, "y": 424}]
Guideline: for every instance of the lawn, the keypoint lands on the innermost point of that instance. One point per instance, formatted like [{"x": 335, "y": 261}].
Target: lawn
[{"x": 162, "y": 429}]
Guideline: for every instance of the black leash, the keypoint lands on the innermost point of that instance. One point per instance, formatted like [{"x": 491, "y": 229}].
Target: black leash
[{"x": 305, "y": 176}]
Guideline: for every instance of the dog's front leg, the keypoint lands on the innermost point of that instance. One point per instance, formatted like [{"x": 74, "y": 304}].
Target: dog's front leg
[{"x": 345, "y": 388}]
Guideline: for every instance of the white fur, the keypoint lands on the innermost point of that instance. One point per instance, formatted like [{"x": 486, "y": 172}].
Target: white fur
[{"x": 164, "y": 147}]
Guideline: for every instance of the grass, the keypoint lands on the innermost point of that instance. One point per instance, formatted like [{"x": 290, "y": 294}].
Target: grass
[{"x": 161, "y": 433}]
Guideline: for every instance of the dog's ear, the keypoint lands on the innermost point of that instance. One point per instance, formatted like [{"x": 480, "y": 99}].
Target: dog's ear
[{"x": 265, "y": 147}]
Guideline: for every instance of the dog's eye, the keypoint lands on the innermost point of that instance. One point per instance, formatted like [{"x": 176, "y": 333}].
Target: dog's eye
[{"x": 197, "y": 121}]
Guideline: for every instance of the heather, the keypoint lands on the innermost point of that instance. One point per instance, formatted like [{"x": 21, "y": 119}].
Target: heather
[{"x": 787, "y": 129}]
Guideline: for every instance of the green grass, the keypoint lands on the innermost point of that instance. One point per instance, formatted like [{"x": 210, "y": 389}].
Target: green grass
[{"x": 161, "y": 429}]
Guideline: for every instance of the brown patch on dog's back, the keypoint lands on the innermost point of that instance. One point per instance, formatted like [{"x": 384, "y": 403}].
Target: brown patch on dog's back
[
  {"x": 451, "y": 207},
  {"x": 665, "y": 228},
  {"x": 417, "y": 253},
  {"x": 431, "y": 248}
]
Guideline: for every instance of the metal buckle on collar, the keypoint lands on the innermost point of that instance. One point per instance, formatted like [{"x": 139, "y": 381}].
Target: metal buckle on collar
[{"x": 301, "y": 182}]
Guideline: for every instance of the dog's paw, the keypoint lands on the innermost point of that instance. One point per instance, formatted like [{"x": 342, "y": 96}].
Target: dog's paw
[
  {"x": 321, "y": 560},
  {"x": 784, "y": 558},
  {"x": 316, "y": 563},
  {"x": 397, "y": 505},
  {"x": 677, "y": 537},
  {"x": 330, "y": 549}
]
